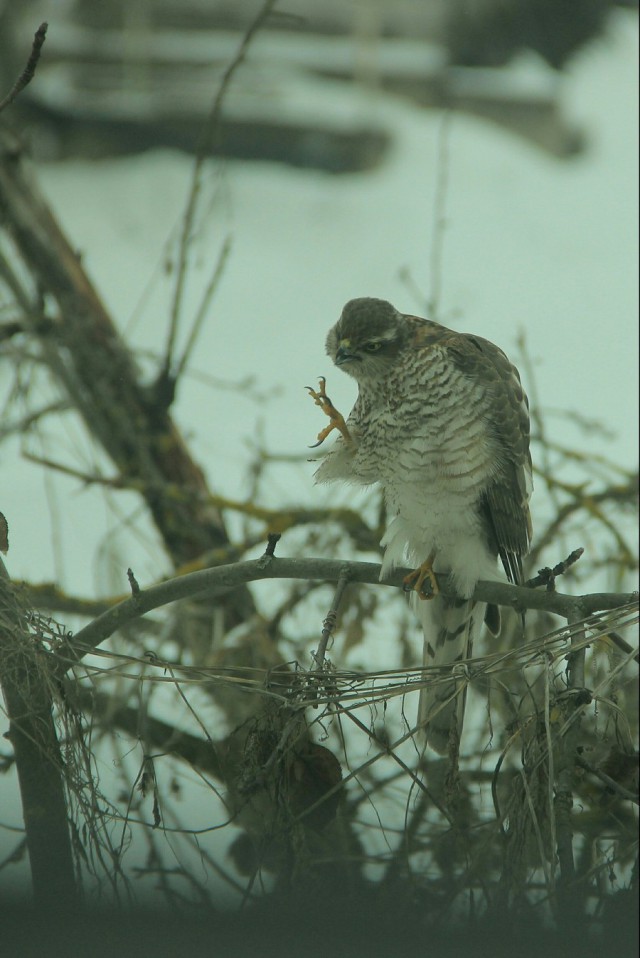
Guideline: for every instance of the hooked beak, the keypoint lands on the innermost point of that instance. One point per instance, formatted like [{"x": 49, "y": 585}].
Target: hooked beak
[{"x": 344, "y": 354}]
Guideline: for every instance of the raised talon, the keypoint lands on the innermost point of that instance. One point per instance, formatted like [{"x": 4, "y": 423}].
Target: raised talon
[
  {"x": 337, "y": 420},
  {"x": 415, "y": 580}
]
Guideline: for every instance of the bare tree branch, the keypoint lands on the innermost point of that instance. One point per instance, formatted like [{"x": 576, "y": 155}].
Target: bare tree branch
[
  {"x": 221, "y": 580},
  {"x": 29, "y": 71},
  {"x": 100, "y": 376},
  {"x": 210, "y": 131}
]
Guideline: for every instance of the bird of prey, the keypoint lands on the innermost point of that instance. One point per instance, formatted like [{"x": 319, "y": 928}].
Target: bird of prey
[{"x": 441, "y": 422}]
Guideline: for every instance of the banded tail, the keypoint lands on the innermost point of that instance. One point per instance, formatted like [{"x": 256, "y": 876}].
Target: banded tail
[{"x": 449, "y": 626}]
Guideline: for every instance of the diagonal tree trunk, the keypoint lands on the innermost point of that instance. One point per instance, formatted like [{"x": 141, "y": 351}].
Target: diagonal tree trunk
[{"x": 92, "y": 364}]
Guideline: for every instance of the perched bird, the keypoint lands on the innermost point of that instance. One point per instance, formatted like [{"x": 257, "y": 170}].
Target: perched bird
[{"x": 441, "y": 422}]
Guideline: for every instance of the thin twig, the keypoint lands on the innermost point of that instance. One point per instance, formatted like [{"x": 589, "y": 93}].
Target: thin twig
[
  {"x": 211, "y": 131},
  {"x": 29, "y": 71},
  {"x": 608, "y": 781},
  {"x": 352, "y": 521},
  {"x": 202, "y": 309},
  {"x": 621, "y": 644},
  {"x": 547, "y": 576},
  {"x": 329, "y": 623}
]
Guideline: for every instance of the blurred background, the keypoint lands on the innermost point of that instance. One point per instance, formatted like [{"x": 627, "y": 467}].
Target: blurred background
[{"x": 126, "y": 76}]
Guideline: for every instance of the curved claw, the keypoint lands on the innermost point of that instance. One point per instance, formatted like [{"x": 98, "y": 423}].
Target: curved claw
[
  {"x": 415, "y": 580},
  {"x": 337, "y": 421}
]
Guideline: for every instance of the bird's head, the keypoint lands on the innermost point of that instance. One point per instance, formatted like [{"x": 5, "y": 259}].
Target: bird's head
[{"x": 367, "y": 339}]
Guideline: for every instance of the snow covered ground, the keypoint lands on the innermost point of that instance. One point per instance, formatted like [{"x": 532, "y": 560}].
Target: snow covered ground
[{"x": 532, "y": 243}]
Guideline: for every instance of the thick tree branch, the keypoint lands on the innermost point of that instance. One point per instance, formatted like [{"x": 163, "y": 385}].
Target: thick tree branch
[{"x": 223, "y": 579}]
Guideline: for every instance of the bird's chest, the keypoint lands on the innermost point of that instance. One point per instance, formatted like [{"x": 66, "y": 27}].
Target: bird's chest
[{"x": 421, "y": 431}]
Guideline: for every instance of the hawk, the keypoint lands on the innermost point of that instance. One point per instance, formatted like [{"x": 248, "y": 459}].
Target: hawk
[{"x": 441, "y": 422}]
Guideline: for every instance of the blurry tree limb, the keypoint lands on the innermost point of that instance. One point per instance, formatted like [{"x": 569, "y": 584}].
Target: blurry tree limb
[
  {"x": 275, "y": 519},
  {"x": 357, "y": 528},
  {"x": 207, "y": 141},
  {"x": 26, "y": 423},
  {"x": 622, "y": 645},
  {"x": 195, "y": 751},
  {"x": 96, "y": 370},
  {"x": 611, "y": 784},
  {"x": 28, "y": 73},
  {"x": 619, "y": 494},
  {"x": 50, "y": 597},
  {"x": 201, "y": 313}
]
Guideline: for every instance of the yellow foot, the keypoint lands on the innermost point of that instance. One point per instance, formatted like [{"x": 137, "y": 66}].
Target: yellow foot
[
  {"x": 415, "y": 580},
  {"x": 337, "y": 420}
]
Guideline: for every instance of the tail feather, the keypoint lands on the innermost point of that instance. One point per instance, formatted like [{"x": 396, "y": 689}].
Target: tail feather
[{"x": 448, "y": 626}]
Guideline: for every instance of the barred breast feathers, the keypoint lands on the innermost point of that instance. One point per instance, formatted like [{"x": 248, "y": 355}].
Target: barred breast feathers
[{"x": 442, "y": 423}]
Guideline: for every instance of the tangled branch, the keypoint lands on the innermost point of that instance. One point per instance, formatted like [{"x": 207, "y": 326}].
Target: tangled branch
[{"x": 221, "y": 580}]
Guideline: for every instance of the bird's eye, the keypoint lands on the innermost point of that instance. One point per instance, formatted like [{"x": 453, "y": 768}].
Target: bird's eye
[{"x": 372, "y": 347}]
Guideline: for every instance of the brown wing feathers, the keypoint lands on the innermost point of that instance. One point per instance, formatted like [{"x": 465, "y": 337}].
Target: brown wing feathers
[{"x": 505, "y": 503}]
